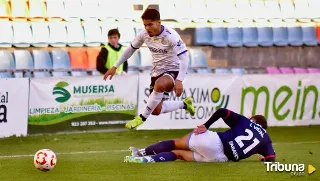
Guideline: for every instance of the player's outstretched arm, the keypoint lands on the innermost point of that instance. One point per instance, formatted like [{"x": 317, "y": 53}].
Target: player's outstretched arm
[
  {"x": 220, "y": 113},
  {"x": 124, "y": 57},
  {"x": 229, "y": 117}
]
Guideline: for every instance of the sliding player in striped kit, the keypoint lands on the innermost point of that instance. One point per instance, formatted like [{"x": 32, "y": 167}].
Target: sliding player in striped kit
[
  {"x": 170, "y": 63},
  {"x": 245, "y": 138}
]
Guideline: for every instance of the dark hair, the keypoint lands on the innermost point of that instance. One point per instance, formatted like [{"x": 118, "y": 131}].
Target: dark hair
[
  {"x": 113, "y": 32},
  {"x": 151, "y": 14},
  {"x": 259, "y": 119}
]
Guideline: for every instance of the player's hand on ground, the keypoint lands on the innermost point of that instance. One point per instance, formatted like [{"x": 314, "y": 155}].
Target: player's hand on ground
[
  {"x": 200, "y": 129},
  {"x": 260, "y": 158},
  {"x": 178, "y": 88},
  {"x": 110, "y": 73}
]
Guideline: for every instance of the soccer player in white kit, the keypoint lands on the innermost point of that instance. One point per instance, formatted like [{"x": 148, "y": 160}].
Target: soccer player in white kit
[{"x": 169, "y": 67}]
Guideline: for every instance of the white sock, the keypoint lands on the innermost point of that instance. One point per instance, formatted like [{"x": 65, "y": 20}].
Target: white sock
[
  {"x": 169, "y": 106},
  {"x": 153, "y": 101}
]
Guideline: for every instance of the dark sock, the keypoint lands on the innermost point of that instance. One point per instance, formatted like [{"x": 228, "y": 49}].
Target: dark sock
[
  {"x": 143, "y": 118},
  {"x": 162, "y": 146},
  {"x": 163, "y": 157},
  {"x": 184, "y": 105}
]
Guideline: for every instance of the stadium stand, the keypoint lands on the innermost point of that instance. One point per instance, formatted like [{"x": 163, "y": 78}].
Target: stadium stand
[
  {"x": 238, "y": 71},
  {"x": 309, "y": 35},
  {"x": 58, "y": 34},
  {"x": 19, "y": 10},
  {"x": 224, "y": 36},
  {"x": 286, "y": 70},
  {"x": 203, "y": 36},
  {"x": 24, "y": 63},
  {"x": 92, "y": 56},
  {"x": 318, "y": 33},
  {"x": 299, "y": 70},
  {"x": 22, "y": 35},
  {"x": 250, "y": 36},
  {"x": 198, "y": 61},
  {"x": 55, "y": 10},
  {"x": 273, "y": 70},
  {"x": 75, "y": 34},
  {"x": 90, "y": 9},
  {"x": 314, "y": 70},
  {"x": 222, "y": 71},
  {"x": 42, "y": 63},
  {"x": 60, "y": 63},
  {"x": 40, "y": 34},
  {"x": 280, "y": 36},
  {"x": 73, "y": 10},
  {"x": 6, "y": 64},
  {"x": 37, "y": 10},
  {"x": 79, "y": 62},
  {"x": 295, "y": 35},
  {"x": 219, "y": 36},
  {"x": 92, "y": 33},
  {"x": 6, "y": 35},
  {"x": 265, "y": 36},
  {"x": 234, "y": 35},
  {"x": 5, "y": 10}
]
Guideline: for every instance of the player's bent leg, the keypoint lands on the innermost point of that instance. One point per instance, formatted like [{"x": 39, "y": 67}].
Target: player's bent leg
[
  {"x": 162, "y": 146},
  {"x": 184, "y": 155},
  {"x": 166, "y": 84},
  {"x": 162, "y": 157},
  {"x": 183, "y": 142},
  {"x": 153, "y": 102},
  {"x": 162, "y": 84},
  {"x": 209, "y": 146},
  {"x": 158, "y": 109}
]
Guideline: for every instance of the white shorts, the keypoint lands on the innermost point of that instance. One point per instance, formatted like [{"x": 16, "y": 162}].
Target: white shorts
[{"x": 207, "y": 147}]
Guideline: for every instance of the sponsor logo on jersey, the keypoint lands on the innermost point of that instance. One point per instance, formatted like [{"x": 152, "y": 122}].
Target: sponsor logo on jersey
[
  {"x": 158, "y": 50},
  {"x": 234, "y": 151}
]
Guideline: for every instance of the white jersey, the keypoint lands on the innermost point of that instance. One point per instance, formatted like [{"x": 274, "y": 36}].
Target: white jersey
[{"x": 165, "y": 49}]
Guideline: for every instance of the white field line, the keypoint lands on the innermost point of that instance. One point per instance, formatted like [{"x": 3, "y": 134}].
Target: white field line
[
  {"x": 112, "y": 151},
  {"x": 66, "y": 153}
]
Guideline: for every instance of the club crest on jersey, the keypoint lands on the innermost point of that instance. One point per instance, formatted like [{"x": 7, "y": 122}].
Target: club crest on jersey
[
  {"x": 179, "y": 43},
  {"x": 164, "y": 41}
]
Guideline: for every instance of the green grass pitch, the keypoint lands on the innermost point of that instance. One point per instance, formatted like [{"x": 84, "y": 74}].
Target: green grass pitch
[{"x": 99, "y": 157}]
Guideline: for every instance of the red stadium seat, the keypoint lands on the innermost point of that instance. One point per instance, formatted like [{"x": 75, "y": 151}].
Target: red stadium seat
[
  {"x": 318, "y": 32},
  {"x": 92, "y": 57},
  {"x": 78, "y": 58}
]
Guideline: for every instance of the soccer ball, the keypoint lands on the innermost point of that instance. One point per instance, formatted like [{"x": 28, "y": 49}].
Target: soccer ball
[{"x": 45, "y": 160}]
